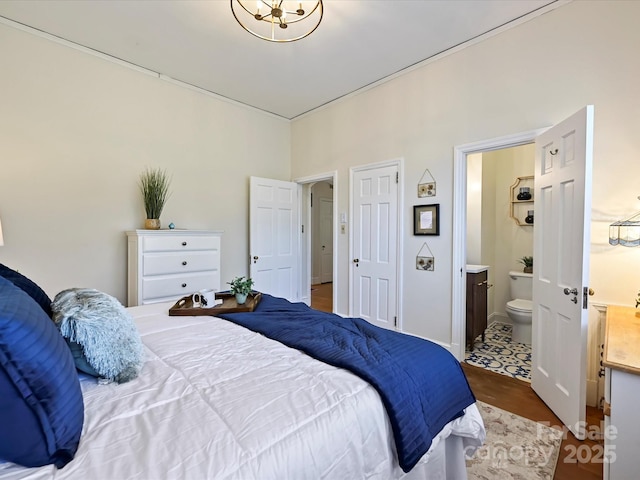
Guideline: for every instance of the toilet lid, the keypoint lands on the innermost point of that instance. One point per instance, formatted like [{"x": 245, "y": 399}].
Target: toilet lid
[{"x": 520, "y": 305}]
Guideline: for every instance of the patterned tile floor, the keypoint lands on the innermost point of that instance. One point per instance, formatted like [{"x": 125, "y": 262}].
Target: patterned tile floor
[{"x": 498, "y": 354}]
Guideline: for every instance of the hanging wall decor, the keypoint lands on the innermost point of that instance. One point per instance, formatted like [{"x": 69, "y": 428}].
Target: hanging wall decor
[
  {"x": 427, "y": 188},
  {"x": 424, "y": 261}
]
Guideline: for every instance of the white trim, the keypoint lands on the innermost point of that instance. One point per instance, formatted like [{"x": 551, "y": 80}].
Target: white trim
[
  {"x": 459, "y": 268},
  {"x": 133, "y": 66},
  {"x": 321, "y": 177},
  {"x": 399, "y": 164},
  {"x": 445, "y": 53}
]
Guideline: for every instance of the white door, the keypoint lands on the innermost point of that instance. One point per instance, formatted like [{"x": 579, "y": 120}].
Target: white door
[
  {"x": 375, "y": 232},
  {"x": 273, "y": 237},
  {"x": 561, "y": 267},
  {"x": 326, "y": 240}
]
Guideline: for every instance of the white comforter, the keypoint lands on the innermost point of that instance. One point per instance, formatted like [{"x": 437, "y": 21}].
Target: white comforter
[{"x": 217, "y": 401}]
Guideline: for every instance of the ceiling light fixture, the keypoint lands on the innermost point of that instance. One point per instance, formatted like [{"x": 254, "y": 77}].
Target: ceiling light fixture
[{"x": 277, "y": 20}]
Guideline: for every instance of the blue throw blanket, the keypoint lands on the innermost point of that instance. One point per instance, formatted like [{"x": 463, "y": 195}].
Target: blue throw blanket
[{"x": 421, "y": 384}]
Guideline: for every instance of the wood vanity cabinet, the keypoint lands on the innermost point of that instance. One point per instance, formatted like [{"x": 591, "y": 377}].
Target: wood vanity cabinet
[{"x": 476, "y": 306}]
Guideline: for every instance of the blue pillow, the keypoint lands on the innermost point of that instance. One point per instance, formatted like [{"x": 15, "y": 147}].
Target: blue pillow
[
  {"x": 41, "y": 405},
  {"x": 29, "y": 286}
]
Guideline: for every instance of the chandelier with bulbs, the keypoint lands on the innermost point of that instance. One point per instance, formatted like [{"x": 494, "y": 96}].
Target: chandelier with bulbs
[{"x": 278, "y": 20}]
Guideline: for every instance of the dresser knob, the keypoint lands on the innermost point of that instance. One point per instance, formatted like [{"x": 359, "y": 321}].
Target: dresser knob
[
  {"x": 184, "y": 285},
  {"x": 184, "y": 244},
  {"x": 184, "y": 263}
]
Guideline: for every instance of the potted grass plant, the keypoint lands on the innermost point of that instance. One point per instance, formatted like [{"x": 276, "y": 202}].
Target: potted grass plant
[
  {"x": 154, "y": 185},
  {"x": 241, "y": 287},
  {"x": 528, "y": 264}
]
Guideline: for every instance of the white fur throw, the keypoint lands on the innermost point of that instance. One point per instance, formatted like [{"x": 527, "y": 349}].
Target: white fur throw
[{"x": 103, "y": 328}]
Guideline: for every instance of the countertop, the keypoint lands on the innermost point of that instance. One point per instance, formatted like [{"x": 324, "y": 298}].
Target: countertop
[
  {"x": 477, "y": 268},
  {"x": 622, "y": 340}
]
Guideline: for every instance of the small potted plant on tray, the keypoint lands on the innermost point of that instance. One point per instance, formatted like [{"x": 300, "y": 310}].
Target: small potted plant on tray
[
  {"x": 241, "y": 287},
  {"x": 528, "y": 264}
]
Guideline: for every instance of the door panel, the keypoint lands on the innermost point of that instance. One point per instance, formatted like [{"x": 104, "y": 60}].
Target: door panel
[
  {"x": 273, "y": 244},
  {"x": 561, "y": 269},
  {"x": 375, "y": 226},
  {"x": 326, "y": 240}
]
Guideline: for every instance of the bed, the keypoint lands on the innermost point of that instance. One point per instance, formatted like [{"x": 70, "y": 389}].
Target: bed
[{"x": 216, "y": 400}]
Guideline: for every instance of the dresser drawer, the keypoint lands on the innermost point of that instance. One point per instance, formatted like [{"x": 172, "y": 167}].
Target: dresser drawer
[
  {"x": 161, "y": 287},
  {"x": 168, "y": 243},
  {"x": 180, "y": 262}
]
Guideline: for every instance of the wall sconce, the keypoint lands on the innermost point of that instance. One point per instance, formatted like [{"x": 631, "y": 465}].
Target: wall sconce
[{"x": 626, "y": 232}]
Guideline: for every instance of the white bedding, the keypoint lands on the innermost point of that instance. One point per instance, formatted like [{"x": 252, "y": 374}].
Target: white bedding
[{"x": 217, "y": 401}]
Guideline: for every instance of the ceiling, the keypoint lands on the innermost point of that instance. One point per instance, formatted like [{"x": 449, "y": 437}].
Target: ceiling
[{"x": 199, "y": 42}]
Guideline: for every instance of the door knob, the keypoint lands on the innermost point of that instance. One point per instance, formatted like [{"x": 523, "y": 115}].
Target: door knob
[
  {"x": 255, "y": 259},
  {"x": 573, "y": 291},
  {"x": 356, "y": 261}
]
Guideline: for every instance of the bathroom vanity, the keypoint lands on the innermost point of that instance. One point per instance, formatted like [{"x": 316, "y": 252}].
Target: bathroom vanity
[{"x": 477, "y": 285}]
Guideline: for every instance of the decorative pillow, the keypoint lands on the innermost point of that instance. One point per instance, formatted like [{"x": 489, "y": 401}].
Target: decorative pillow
[
  {"x": 103, "y": 329},
  {"x": 41, "y": 406},
  {"x": 29, "y": 286}
]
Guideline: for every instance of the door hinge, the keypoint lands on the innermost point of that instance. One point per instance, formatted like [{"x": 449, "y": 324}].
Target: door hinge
[
  {"x": 397, "y": 177},
  {"x": 395, "y": 322},
  {"x": 302, "y": 228}
]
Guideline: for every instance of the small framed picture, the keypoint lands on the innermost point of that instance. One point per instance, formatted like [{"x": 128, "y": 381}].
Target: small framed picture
[
  {"x": 426, "y": 219},
  {"x": 427, "y": 189},
  {"x": 424, "y": 263}
]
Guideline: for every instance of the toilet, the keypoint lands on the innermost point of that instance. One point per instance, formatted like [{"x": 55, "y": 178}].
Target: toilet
[{"x": 519, "y": 308}]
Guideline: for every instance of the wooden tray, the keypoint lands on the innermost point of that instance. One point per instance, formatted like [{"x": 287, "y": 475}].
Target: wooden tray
[{"x": 184, "y": 307}]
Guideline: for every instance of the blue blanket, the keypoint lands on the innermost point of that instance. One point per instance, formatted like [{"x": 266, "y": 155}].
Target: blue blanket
[{"x": 421, "y": 384}]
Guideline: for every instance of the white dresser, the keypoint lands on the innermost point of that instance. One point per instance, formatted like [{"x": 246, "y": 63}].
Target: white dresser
[
  {"x": 165, "y": 265},
  {"x": 622, "y": 393}
]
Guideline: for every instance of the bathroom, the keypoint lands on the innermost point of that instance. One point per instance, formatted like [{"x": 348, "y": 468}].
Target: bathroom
[{"x": 499, "y": 234}]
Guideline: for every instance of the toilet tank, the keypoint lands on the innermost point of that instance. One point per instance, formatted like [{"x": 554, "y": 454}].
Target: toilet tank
[{"x": 521, "y": 285}]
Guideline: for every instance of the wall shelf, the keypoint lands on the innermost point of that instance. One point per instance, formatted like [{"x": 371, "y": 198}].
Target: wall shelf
[{"x": 518, "y": 208}]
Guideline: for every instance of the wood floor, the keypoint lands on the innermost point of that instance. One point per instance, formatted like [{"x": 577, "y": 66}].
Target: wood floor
[
  {"x": 517, "y": 397},
  {"x": 322, "y": 297}
]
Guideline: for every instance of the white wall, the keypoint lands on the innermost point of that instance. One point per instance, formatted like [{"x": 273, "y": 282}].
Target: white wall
[
  {"x": 506, "y": 241},
  {"x": 475, "y": 196},
  {"x": 525, "y": 78},
  {"x": 76, "y": 131}
]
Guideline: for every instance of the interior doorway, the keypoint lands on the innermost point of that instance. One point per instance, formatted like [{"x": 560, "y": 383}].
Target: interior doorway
[
  {"x": 497, "y": 236},
  {"x": 321, "y": 233},
  {"x": 328, "y": 190},
  {"x": 459, "y": 257}
]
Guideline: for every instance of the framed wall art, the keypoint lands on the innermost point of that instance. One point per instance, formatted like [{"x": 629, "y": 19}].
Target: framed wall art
[
  {"x": 427, "y": 185},
  {"x": 426, "y": 219},
  {"x": 424, "y": 259}
]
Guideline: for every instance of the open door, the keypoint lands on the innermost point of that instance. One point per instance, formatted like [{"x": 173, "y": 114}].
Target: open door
[
  {"x": 561, "y": 270},
  {"x": 273, "y": 237}
]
